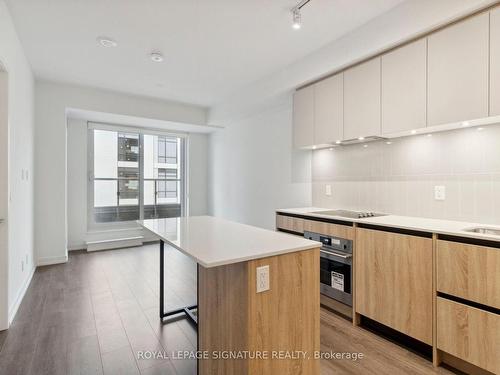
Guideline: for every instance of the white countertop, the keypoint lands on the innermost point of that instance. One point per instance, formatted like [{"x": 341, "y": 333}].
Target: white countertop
[
  {"x": 212, "y": 241},
  {"x": 448, "y": 227}
]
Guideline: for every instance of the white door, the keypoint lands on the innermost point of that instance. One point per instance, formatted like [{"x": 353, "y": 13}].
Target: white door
[
  {"x": 362, "y": 100},
  {"x": 303, "y": 117},
  {"x": 404, "y": 74},
  {"x": 329, "y": 110},
  {"x": 457, "y": 80},
  {"x": 495, "y": 62},
  {"x": 4, "y": 154}
]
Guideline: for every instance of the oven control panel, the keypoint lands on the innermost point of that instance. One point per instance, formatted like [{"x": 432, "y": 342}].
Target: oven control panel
[{"x": 329, "y": 242}]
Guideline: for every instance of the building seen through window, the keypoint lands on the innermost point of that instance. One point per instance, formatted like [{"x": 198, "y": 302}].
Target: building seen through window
[{"x": 135, "y": 176}]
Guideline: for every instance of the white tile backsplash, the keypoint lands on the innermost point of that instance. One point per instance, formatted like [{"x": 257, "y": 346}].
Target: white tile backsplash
[{"x": 399, "y": 178}]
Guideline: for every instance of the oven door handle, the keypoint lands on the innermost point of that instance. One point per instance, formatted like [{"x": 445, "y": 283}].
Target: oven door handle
[{"x": 340, "y": 255}]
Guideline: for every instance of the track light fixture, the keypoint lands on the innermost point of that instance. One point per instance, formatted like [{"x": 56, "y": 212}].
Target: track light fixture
[{"x": 296, "y": 16}]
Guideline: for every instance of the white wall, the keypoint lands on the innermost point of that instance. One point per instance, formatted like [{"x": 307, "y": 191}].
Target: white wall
[
  {"x": 78, "y": 234},
  {"x": 4, "y": 198},
  {"x": 20, "y": 151},
  {"x": 254, "y": 171},
  {"x": 52, "y": 100}
]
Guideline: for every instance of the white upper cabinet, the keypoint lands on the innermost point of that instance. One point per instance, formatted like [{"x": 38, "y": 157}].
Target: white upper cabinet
[
  {"x": 404, "y": 75},
  {"x": 329, "y": 110},
  {"x": 303, "y": 117},
  {"x": 495, "y": 62},
  {"x": 362, "y": 100},
  {"x": 458, "y": 72}
]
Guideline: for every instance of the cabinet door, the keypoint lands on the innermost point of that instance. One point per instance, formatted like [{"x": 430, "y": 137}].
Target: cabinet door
[
  {"x": 458, "y": 72},
  {"x": 495, "y": 62},
  {"x": 404, "y": 74},
  {"x": 303, "y": 117},
  {"x": 394, "y": 281},
  {"x": 362, "y": 100},
  {"x": 329, "y": 110}
]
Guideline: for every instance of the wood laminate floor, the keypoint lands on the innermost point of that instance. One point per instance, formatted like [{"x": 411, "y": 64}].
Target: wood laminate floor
[{"x": 96, "y": 313}]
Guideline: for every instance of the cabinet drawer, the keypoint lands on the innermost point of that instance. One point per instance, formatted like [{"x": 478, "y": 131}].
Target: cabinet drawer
[
  {"x": 468, "y": 333},
  {"x": 342, "y": 231},
  {"x": 294, "y": 224},
  {"x": 470, "y": 272}
]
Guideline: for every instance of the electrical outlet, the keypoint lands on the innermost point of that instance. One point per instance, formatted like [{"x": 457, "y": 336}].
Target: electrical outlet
[
  {"x": 262, "y": 278},
  {"x": 328, "y": 190},
  {"x": 439, "y": 193}
]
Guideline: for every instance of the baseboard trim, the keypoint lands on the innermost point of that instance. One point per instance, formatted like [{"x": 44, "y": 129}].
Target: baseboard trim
[
  {"x": 20, "y": 296},
  {"x": 52, "y": 260},
  {"x": 114, "y": 244},
  {"x": 77, "y": 246}
]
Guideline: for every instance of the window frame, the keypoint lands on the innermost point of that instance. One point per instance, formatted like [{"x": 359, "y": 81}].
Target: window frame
[{"x": 92, "y": 225}]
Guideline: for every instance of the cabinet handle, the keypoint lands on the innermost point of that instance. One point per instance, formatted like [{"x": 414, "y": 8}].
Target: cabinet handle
[{"x": 345, "y": 256}]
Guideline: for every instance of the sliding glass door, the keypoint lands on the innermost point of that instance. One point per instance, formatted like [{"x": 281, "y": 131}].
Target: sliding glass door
[
  {"x": 134, "y": 175},
  {"x": 162, "y": 176}
]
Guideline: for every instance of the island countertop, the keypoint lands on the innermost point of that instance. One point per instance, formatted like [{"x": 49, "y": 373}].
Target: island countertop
[{"x": 213, "y": 242}]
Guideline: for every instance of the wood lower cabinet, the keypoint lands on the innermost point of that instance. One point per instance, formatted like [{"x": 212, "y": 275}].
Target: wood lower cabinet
[
  {"x": 290, "y": 223},
  {"x": 337, "y": 230},
  {"x": 394, "y": 281},
  {"x": 468, "y": 333},
  {"x": 234, "y": 317},
  {"x": 468, "y": 322},
  {"x": 469, "y": 272}
]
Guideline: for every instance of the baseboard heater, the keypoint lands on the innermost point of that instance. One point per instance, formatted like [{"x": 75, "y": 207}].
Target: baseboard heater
[{"x": 115, "y": 243}]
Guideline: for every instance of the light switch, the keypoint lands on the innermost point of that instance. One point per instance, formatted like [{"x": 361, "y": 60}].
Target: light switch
[
  {"x": 262, "y": 278},
  {"x": 439, "y": 193},
  {"x": 328, "y": 190}
]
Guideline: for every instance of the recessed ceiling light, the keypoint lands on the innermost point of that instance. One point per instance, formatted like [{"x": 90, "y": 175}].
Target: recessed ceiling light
[
  {"x": 361, "y": 138},
  {"x": 365, "y": 146},
  {"x": 465, "y": 123},
  {"x": 388, "y": 143},
  {"x": 480, "y": 129},
  {"x": 314, "y": 147},
  {"x": 106, "y": 42},
  {"x": 413, "y": 131},
  {"x": 429, "y": 135},
  {"x": 338, "y": 142},
  {"x": 331, "y": 148},
  {"x": 156, "y": 57}
]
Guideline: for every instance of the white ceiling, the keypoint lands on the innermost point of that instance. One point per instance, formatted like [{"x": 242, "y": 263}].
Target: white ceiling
[{"x": 212, "y": 48}]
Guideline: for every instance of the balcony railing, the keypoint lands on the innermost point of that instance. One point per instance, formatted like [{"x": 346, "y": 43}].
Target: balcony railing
[{"x": 127, "y": 206}]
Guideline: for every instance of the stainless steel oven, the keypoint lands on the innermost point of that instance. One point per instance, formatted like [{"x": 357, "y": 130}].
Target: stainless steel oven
[{"x": 335, "y": 266}]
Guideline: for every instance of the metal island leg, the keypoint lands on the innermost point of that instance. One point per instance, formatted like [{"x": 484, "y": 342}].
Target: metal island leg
[{"x": 187, "y": 310}]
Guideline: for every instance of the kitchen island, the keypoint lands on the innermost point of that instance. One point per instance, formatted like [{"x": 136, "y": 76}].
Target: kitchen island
[{"x": 247, "y": 324}]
